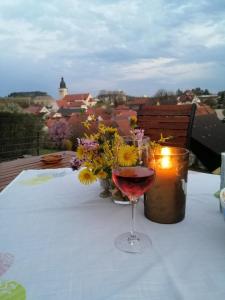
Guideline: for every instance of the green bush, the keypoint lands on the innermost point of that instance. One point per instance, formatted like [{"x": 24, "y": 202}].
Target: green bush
[{"x": 19, "y": 134}]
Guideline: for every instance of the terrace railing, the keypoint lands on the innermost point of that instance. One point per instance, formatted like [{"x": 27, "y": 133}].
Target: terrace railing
[{"x": 18, "y": 147}]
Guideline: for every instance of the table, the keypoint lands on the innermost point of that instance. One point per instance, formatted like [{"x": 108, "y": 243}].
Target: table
[
  {"x": 59, "y": 239},
  {"x": 9, "y": 170}
]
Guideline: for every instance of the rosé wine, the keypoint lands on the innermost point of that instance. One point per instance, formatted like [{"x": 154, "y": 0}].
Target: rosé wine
[{"x": 133, "y": 181}]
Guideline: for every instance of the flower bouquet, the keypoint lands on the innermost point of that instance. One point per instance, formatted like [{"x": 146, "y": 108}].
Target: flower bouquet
[{"x": 98, "y": 153}]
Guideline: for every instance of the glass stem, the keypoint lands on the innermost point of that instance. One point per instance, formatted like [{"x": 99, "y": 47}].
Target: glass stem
[{"x": 133, "y": 207}]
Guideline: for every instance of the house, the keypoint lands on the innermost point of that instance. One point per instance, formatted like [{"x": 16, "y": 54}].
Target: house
[
  {"x": 135, "y": 103},
  {"x": 31, "y": 99},
  {"x": 77, "y": 101},
  {"x": 112, "y": 97},
  {"x": 188, "y": 98},
  {"x": 68, "y": 112},
  {"x": 211, "y": 100},
  {"x": 47, "y": 101},
  {"x": 71, "y": 101},
  {"x": 121, "y": 116}
]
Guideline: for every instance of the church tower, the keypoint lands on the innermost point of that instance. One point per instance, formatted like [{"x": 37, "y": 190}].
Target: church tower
[{"x": 63, "y": 91}]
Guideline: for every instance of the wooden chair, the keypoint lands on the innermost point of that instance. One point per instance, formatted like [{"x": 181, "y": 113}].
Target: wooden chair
[{"x": 168, "y": 120}]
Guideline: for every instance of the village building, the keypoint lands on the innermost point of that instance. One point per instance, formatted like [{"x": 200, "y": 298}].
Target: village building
[{"x": 73, "y": 101}]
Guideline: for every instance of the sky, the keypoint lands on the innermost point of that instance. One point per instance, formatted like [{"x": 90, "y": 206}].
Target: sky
[{"x": 138, "y": 46}]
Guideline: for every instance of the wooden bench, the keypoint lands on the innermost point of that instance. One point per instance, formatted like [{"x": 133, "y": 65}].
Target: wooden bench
[{"x": 169, "y": 120}]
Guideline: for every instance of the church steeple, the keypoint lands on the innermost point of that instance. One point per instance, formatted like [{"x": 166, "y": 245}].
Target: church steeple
[
  {"x": 62, "y": 84},
  {"x": 63, "y": 91}
]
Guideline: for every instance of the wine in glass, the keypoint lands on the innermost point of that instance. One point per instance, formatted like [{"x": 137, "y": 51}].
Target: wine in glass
[{"x": 134, "y": 181}]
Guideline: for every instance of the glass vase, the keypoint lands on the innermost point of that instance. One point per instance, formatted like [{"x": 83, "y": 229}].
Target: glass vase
[{"x": 106, "y": 185}]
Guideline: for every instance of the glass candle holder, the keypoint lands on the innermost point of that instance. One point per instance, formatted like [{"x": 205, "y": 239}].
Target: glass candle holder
[{"x": 166, "y": 200}]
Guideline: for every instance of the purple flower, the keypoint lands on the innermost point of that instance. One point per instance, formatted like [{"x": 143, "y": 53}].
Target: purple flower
[
  {"x": 138, "y": 134},
  {"x": 88, "y": 144},
  {"x": 75, "y": 163},
  {"x": 58, "y": 132}
]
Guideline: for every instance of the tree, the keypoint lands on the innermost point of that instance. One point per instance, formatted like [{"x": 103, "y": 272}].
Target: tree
[
  {"x": 179, "y": 92},
  {"x": 198, "y": 91},
  {"x": 206, "y": 92},
  {"x": 161, "y": 93},
  {"x": 166, "y": 97},
  {"x": 11, "y": 107},
  {"x": 59, "y": 132},
  {"x": 27, "y": 94}
]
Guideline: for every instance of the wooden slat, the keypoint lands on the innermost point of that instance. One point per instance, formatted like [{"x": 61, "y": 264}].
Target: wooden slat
[
  {"x": 9, "y": 170},
  {"x": 157, "y": 125},
  {"x": 167, "y": 109},
  {"x": 168, "y": 119},
  {"x": 166, "y": 133},
  {"x": 173, "y": 139},
  {"x": 162, "y": 113}
]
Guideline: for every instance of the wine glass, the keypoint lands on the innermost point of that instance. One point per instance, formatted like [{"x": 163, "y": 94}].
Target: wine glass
[{"x": 133, "y": 180}]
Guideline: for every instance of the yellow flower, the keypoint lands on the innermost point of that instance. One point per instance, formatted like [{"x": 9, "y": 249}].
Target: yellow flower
[
  {"x": 101, "y": 128},
  {"x": 91, "y": 118},
  {"x": 102, "y": 174},
  {"x": 133, "y": 121},
  {"x": 80, "y": 152},
  {"x": 86, "y": 176},
  {"x": 87, "y": 164},
  {"x": 111, "y": 130},
  {"x": 127, "y": 155},
  {"x": 86, "y": 124},
  {"x": 93, "y": 137}
]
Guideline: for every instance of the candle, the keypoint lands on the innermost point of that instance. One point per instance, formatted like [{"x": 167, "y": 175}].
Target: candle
[
  {"x": 165, "y": 151},
  {"x": 165, "y": 201},
  {"x": 165, "y": 161}
]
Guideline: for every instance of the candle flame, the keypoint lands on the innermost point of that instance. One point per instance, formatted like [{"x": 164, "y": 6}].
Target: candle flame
[
  {"x": 165, "y": 151},
  {"x": 165, "y": 160},
  {"x": 166, "y": 163}
]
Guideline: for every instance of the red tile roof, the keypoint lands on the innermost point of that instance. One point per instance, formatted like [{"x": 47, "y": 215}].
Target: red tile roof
[
  {"x": 76, "y": 97},
  {"x": 123, "y": 126},
  {"x": 122, "y": 107},
  {"x": 74, "y": 104},
  {"x": 204, "y": 109},
  {"x": 136, "y": 101},
  {"x": 73, "y": 100},
  {"x": 99, "y": 111}
]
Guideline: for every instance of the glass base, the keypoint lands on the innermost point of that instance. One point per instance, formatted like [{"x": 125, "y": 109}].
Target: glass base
[
  {"x": 136, "y": 243},
  {"x": 123, "y": 202},
  {"x": 105, "y": 194}
]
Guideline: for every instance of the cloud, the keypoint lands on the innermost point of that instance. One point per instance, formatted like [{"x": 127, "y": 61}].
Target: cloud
[
  {"x": 206, "y": 34},
  {"x": 112, "y": 43},
  {"x": 165, "y": 69}
]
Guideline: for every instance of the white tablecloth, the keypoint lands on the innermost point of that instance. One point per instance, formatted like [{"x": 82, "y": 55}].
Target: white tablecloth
[{"x": 60, "y": 237}]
